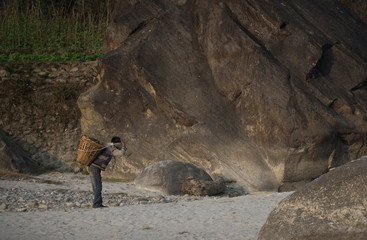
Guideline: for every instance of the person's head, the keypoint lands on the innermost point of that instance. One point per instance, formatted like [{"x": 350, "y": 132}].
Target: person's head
[{"x": 117, "y": 142}]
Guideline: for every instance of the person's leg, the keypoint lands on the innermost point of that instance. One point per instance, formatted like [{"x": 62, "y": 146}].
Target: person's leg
[{"x": 95, "y": 177}]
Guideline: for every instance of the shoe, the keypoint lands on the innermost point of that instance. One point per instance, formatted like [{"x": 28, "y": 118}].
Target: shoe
[{"x": 100, "y": 206}]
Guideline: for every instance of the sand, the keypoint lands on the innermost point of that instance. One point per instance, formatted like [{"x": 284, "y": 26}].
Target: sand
[{"x": 183, "y": 218}]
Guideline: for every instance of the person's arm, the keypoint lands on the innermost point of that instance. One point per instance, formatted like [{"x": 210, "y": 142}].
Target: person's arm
[{"x": 117, "y": 152}]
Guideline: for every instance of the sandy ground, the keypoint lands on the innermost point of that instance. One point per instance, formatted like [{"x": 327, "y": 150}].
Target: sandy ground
[{"x": 207, "y": 218}]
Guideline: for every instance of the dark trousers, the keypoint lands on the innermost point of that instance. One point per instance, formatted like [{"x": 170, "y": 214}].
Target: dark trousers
[{"x": 96, "y": 179}]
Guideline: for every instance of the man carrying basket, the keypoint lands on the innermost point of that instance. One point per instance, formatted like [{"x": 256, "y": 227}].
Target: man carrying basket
[{"x": 117, "y": 147}]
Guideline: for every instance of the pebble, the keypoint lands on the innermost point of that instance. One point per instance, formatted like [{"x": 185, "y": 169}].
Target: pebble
[
  {"x": 31, "y": 204},
  {"x": 4, "y": 73},
  {"x": 42, "y": 73},
  {"x": 2, "y": 207},
  {"x": 70, "y": 204},
  {"x": 43, "y": 206},
  {"x": 53, "y": 75},
  {"x": 61, "y": 80},
  {"x": 21, "y": 210}
]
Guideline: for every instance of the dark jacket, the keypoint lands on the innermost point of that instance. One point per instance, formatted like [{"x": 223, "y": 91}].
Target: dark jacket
[{"x": 103, "y": 159}]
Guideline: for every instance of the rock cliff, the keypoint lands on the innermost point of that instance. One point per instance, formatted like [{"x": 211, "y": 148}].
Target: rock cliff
[{"x": 261, "y": 92}]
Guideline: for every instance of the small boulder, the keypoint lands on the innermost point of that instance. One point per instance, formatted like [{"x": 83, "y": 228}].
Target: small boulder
[
  {"x": 168, "y": 176},
  {"x": 332, "y": 207}
]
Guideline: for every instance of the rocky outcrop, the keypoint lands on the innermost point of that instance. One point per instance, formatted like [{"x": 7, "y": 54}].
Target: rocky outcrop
[
  {"x": 167, "y": 176},
  {"x": 13, "y": 158},
  {"x": 331, "y": 207},
  {"x": 261, "y": 92}
]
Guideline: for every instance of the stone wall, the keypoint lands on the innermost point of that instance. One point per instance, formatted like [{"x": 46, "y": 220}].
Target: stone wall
[{"x": 39, "y": 111}]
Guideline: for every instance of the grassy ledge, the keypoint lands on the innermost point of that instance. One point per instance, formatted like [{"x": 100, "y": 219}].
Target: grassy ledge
[{"x": 49, "y": 30}]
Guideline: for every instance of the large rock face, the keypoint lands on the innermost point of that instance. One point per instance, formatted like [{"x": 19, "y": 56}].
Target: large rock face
[
  {"x": 262, "y": 92},
  {"x": 332, "y": 207}
]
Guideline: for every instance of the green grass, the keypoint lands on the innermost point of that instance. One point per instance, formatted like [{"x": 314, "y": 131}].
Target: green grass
[{"x": 41, "y": 30}]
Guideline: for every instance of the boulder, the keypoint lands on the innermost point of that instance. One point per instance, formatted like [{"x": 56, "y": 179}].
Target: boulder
[
  {"x": 13, "y": 158},
  {"x": 262, "y": 92},
  {"x": 332, "y": 207},
  {"x": 167, "y": 176}
]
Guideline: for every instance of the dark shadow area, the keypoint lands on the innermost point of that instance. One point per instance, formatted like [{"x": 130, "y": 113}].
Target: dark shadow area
[{"x": 324, "y": 65}]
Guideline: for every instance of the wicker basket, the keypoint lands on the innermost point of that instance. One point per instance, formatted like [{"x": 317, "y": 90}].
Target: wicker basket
[{"x": 88, "y": 150}]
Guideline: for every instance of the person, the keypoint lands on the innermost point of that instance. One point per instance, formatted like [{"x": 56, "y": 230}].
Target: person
[{"x": 117, "y": 147}]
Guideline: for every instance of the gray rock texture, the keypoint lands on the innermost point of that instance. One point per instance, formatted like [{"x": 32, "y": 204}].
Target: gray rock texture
[
  {"x": 333, "y": 207},
  {"x": 13, "y": 158},
  {"x": 261, "y": 92},
  {"x": 197, "y": 187},
  {"x": 167, "y": 176}
]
